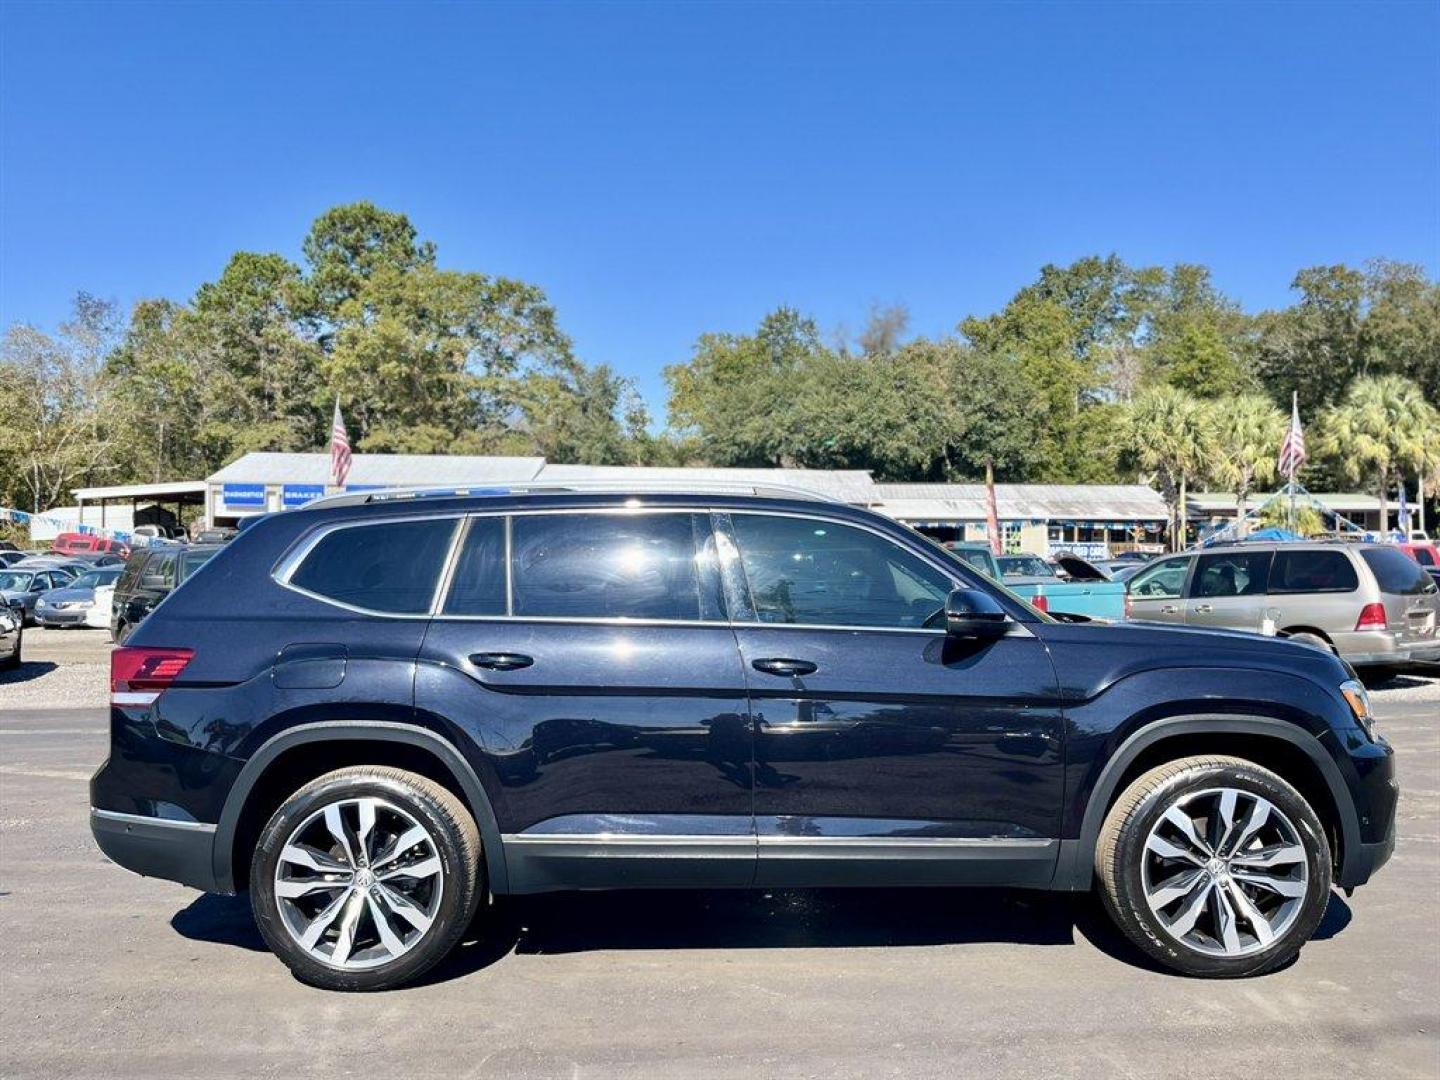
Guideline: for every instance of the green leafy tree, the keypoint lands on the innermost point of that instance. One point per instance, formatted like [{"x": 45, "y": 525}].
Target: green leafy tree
[
  {"x": 1382, "y": 428},
  {"x": 57, "y": 433},
  {"x": 1171, "y": 437},
  {"x": 1246, "y": 434}
]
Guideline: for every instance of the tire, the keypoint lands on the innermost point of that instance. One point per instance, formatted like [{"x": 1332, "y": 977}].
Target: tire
[
  {"x": 1315, "y": 640},
  {"x": 1136, "y": 880},
  {"x": 425, "y": 912}
]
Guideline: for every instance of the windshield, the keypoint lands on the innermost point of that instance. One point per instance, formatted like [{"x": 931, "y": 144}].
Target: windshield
[
  {"x": 95, "y": 578},
  {"x": 15, "y": 581},
  {"x": 977, "y": 558},
  {"x": 1024, "y": 566}
]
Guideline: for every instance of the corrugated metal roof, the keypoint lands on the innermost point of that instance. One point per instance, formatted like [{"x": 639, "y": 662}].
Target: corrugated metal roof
[
  {"x": 1022, "y": 502},
  {"x": 1340, "y": 501},
  {"x": 390, "y": 470},
  {"x": 847, "y": 485}
]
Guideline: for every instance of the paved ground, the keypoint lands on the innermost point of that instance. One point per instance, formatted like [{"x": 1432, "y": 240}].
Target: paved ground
[{"x": 108, "y": 974}]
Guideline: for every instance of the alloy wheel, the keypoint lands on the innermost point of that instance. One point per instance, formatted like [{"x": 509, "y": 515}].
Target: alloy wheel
[
  {"x": 1225, "y": 872},
  {"x": 358, "y": 883}
]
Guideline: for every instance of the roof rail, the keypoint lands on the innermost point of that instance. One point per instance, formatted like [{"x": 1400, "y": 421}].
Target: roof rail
[{"x": 760, "y": 489}]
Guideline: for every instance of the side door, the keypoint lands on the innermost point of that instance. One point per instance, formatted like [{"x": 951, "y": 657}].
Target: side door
[
  {"x": 1155, "y": 593},
  {"x": 588, "y": 654},
  {"x": 1227, "y": 590},
  {"x": 885, "y": 751}
]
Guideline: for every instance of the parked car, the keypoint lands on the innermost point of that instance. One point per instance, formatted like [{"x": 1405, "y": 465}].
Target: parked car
[
  {"x": 1040, "y": 582},
  {"x": 83, "y": 602},
  {"x": 221, "y": 535},
  {"x": 12, "y": 637},
  {"x": 1120, "y": 569},
  {"x": 1425, "y": 553},
  {"x": 1368, "y": 603},
  {"x": 374, "y": 711},
  {"x": 148, "y": 534},
  {"x": 6, "y": 545},
  {"x": 63, "y": 563},
  {"x": 10, "y": 558},
  {"x": 150, "y": 575},
  {"x": 75, "y": 543},
  {"x": 1139, "y": 557},
  {"x": 20, "y": 588}
]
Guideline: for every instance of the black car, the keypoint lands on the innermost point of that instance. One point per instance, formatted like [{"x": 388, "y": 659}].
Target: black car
[
  {"x": 374, "y": 711},
  {"x": 150, "y": 575}
]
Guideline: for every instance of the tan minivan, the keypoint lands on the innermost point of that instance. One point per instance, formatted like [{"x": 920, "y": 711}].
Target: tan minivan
[{"x": 1370, "y": 603}]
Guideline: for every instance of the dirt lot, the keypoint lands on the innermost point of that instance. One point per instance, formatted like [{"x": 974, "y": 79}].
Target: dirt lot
[{"x": 108, "y": 974}]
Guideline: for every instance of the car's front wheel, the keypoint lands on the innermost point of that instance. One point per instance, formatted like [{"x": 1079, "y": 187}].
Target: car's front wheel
[
  {"x": 1214, "y": 866},
  {"x": 366, "y": 877}
]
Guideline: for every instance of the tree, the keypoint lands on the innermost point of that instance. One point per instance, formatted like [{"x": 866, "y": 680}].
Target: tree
[
  {"x": 1170, "y": 436},
  {"x": 1247, "y": 431},
  {"x": 737, "y": 393},
  {"x": 56, "y": 432},
  {"x": 1383, "y": 427}
]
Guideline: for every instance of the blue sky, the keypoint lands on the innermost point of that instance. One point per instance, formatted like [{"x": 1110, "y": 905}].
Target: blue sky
[{"x": 663, "y": 170}]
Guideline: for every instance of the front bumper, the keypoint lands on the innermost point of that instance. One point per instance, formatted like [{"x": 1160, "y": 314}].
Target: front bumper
[
  {"x": 182, "y": 851},
  {"x": 52, "y": 617}
]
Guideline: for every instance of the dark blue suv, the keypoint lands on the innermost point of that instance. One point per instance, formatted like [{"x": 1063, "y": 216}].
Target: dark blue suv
[{"x": 372, "y": 712}]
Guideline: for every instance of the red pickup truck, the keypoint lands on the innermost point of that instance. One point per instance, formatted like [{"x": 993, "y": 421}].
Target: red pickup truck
[{"x": 74, "y": 543}]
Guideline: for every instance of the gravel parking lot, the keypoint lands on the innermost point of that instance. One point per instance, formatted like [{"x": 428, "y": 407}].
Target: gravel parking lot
[{"x": 109, "y": 974}]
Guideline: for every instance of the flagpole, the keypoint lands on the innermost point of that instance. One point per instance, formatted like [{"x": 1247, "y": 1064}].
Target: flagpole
[{"x": 1294, "y": 412}]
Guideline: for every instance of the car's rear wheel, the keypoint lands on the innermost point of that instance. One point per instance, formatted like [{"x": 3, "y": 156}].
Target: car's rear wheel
[
  {"x": 1214, "y": 866},
  {"x": 366, "y": 877}
]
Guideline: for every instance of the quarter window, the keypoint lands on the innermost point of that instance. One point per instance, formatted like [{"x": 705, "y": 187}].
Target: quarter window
[
  {"x": 1163, "y": 581},
  {"x": 1312, "y": 572},
  {"x": 627, "y": 566},
  {"x": 814, "y": 572},
  {"x": 390, "y": 566},
  {"x": 478, "y": 584}
]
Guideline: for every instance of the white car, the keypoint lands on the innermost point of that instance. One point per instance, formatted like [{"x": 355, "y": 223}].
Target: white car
[{"x": 84, "y": 602}]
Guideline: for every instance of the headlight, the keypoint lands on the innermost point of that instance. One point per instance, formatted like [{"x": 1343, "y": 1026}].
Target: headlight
[{"x": 1358, "y": 698}]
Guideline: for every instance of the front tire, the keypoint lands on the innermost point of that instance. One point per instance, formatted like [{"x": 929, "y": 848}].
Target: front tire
[
  {"x": 366, "y": 878},
  {"x": 1214, "y": 867}
]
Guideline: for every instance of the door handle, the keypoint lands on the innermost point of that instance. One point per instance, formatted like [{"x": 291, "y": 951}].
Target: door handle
[
  {"x": 1169, "y": 609},
  {"x": 784, "y": 666},
  {"x": 1204, "y": 609},
  {"x": 501, "y": 661}
]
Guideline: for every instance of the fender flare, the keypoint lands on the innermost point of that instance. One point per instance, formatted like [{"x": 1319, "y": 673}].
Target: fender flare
[
  {"x": 1074, "y": 869},
  {"x": 369, "y": 730}
]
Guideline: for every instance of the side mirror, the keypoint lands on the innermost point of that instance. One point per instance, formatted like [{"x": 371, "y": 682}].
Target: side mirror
[{"x": 970, "y": 613}]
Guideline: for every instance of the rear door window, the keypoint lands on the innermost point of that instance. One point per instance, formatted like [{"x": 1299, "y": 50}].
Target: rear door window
[
  {"x": 1231, "y": 574},
  {"x": 477, "y": 586},
  {"x": 611, "y": 566},
  {"x": 391, "y": 567},
  {"x": 1312, "y": 572},
  {"x": 1396, "y": 572}
]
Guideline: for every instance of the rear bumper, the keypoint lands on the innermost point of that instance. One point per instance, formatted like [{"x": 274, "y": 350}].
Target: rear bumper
[{"x": 182, "y": 851}]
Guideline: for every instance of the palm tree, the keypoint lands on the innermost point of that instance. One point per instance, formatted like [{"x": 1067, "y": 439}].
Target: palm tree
[
  {"x": 1170, "y": 434},
  {"x": 1383, "y": 426},
  {"x": 1247, "y": 430}
]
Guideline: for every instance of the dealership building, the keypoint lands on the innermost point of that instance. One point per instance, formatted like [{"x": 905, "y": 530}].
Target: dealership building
[{"x": 1032, "y": 515}]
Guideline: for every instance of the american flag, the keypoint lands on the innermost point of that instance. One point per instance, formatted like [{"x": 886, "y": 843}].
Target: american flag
[
  {"x": 1292, "y": 450},
  {"x": 339, "y": 448}
]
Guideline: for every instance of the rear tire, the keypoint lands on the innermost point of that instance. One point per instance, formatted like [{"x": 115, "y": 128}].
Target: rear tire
[
  {"x": 366, "y": 878},
  {"x": 1236, "y": 891},
  {"x": 1314, "y": 640}
]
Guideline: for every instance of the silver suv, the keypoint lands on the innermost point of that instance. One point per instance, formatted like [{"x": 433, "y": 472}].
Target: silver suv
[{"x": 1370, "y": 603}]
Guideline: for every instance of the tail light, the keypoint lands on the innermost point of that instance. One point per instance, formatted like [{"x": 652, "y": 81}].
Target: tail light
[
  {"x": 1129, "y": 607},
  {"x": 1039, "y": 603},
  {"x": 139, "y": 675},
  {"x": 1372, "y": 617}
]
